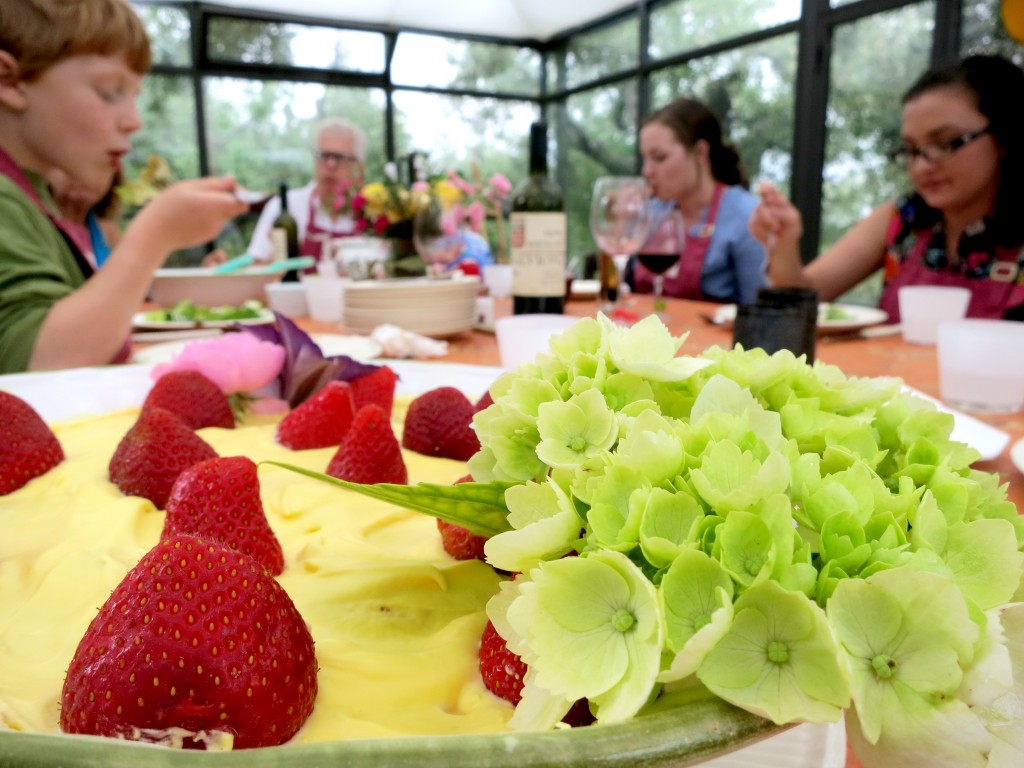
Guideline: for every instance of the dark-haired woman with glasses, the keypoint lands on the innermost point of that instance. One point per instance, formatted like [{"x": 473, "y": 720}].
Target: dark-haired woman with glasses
[{"x": 963, "y": 224}]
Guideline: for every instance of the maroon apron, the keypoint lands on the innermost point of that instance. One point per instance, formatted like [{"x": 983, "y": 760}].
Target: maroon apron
[
  {"x": 76, "y": 235},
  {"x": 313, "y": 242},
  {"x": 683, "y": 279},
  {"x": 990, "y": 296}
]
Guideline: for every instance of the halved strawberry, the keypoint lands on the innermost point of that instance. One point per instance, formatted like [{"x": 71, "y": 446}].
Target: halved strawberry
[
  {"x": 28, "y": 447},
  {"x": 219, "y": 501},
  {"x": 439, "y": 424},
  {"x": 196, "y": 637},
  {"x": 193, "y": 398},
  {"x": 152, "y": 454},
  {"x": 321, "y": 421},
  {"x": 375, "y": 388},
  {"x": 370, "y": 452}
]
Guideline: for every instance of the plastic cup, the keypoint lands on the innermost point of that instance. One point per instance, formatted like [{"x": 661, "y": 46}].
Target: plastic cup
[
  {"x": 981, "y": 367},
  {"x": 522, "y": 337},
  {"x": 325, "y": 297},
  {"x": 923, "y": 307},
  {"x": 288, "y": 298},
  {"x": 498, "y": 279}
]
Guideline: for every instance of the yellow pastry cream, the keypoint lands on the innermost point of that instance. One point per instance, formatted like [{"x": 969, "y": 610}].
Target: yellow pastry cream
[{"x": 396, "y": 621}]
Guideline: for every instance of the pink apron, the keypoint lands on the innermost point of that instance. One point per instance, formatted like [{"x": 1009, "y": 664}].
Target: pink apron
[
  {"x": 990, "y": 296},
  {"x": 76, "y": 235},
  {"x": 683, "y": 279}
]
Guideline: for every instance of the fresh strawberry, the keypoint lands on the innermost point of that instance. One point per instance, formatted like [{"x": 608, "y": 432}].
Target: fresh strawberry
[
  {"x": 218, "y": 500},
  {"x": 370, "y": 452},
  {"x": 152, "y": 454},
  {"x": 485, "y": 401},
  {"x": 460, "y": 543},
  {"x": 439, "y": 424},
  {"x": 28, "y": 448},
  {"x": 501, "y": 670},
  {"x": 195, "y": 637},
  {"x": 375, "y": 388},
  {"x": 321, "y": 421},
  {"x": 193, "y": 398},
  {"x": 503, "y": 674}
]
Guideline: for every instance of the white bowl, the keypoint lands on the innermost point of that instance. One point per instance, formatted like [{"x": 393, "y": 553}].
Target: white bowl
[
  {"x": 288, "y": 298},
  {"x": 203, "y": 288}
]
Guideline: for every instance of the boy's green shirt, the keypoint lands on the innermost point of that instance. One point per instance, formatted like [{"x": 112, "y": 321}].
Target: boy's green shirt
[{"x": 37, "y": 269}]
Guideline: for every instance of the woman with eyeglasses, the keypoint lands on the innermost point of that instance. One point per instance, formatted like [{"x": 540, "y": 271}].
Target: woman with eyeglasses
[
  {"x": 339, "y": 152},
  {"x": 963, "y": 224}
]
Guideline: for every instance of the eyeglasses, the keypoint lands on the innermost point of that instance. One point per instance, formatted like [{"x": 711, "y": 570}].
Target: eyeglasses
[
  {"x": 937, "y": 151},
  {"x": 340, "y": 158}
]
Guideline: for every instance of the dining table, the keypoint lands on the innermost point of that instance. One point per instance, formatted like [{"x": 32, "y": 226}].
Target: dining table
[{"x": 861, "y": 352}]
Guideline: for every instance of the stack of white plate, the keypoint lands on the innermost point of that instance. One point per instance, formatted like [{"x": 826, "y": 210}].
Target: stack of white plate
[{"x": 432, "y": 307}]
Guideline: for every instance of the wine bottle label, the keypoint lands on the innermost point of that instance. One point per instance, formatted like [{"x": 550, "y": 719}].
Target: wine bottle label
[
  {"x": 537, "y": 252},
  {"x": 278, "y": 244}
]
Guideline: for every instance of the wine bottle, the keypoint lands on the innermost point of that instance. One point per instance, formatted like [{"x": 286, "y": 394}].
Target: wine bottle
[
  {"x": 284, "y": 235},
  {"x": 537, "y": 240}
]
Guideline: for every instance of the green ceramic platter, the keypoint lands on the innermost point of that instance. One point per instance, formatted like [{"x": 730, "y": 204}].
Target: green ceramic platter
[{"x": 677, "y": 736}]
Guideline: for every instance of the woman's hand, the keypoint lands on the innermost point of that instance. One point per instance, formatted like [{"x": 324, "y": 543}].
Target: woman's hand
[{"x": 775, "y": 221}]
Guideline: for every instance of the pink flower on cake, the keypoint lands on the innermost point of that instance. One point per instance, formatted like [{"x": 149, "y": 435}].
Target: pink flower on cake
[{"x": 235, "y": 362}]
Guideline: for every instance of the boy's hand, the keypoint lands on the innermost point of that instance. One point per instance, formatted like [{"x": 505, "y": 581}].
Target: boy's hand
[
  {"x": 188, "y": 213},
  {"x": 775, "y": 221}
]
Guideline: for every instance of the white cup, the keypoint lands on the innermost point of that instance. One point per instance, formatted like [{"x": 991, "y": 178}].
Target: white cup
[
  {"x": 325, "y": 297},
  {"x": 498, "y": 279},
  {"x": 522, "y": 337},
  {"x": 923, "y": 307},
  {"x": 981, "y": 365},
  {"x": 287, "y": 298}
]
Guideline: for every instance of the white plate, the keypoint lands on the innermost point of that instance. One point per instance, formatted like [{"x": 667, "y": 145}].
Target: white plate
[
  {"x": 855, "y": 317},
  {"x": 331, "y": 344},
  {"x": 79, "y": 392},
  {"x": 142, "y": 323},
  {"x": 986, "y": 440},
  {"x": 1017, "y": 455}
]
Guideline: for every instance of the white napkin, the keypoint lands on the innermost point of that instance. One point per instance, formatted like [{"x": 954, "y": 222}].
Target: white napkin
[{"x": 398, "y": 342}]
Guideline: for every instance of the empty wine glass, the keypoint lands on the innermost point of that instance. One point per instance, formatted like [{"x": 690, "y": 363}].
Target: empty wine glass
[
  {"x": 619, "y": 220},
  {"x": 663, "y": 249}
]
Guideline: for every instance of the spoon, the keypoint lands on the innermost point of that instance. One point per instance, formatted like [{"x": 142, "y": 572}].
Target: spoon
[{"x": 252, "y": 196}]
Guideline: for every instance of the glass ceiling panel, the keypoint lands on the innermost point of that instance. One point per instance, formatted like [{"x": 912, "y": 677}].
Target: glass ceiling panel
[
  {"x": 439, "y": 62},
  {"x": 299, "y": 45},
  {"x": 687, "y": 24}
]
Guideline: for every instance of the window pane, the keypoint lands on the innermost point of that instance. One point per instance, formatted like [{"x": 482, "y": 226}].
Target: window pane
[
  {"x": 439, "y": 62},
  {"x": 602, "y": 52},
  {"x": 600, "y": 140},
  {"x": 266, "y": 42},
  {"x": 167, "y": 109},
  {"x": 686, "y": 24},
  {"x": 751, "y": 91},
  {"x": 456, "y": 131},
  {"x": 169, "y": 33},
  {"x": 983, "y": 31},
  {"x": 261, "y": 132},
  {"x": 168, "y": 112},
  {"x": 863, "y": 121}
]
